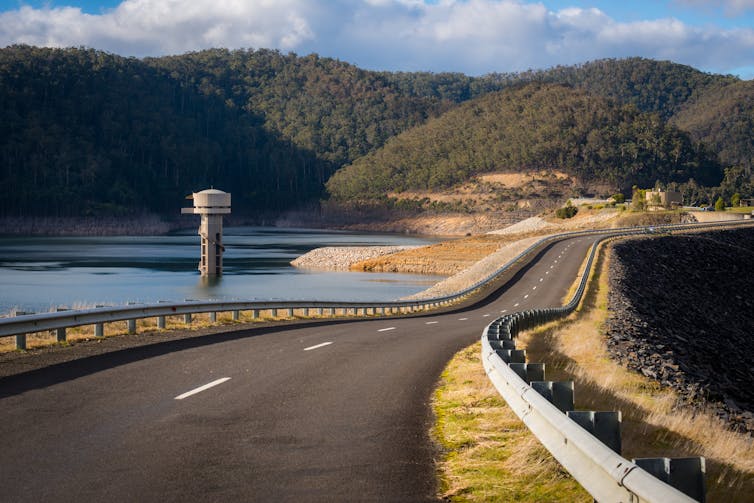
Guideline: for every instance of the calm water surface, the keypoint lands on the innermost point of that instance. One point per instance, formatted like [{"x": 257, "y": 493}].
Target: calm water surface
[{"x": 39, "y": 273}]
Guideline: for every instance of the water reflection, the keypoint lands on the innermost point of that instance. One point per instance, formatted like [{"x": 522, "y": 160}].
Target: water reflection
[
  {"x": 209, "y": 281},
  {"x": 37, "y": 273}
]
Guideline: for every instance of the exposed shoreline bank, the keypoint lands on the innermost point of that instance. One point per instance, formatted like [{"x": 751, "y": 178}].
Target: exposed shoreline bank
[
  {"x": 341, "y": 258},
  {"x": 146, "y": 225}
]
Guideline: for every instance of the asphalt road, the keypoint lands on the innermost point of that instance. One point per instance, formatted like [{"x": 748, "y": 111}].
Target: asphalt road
[{"x": 314, "y": 412}]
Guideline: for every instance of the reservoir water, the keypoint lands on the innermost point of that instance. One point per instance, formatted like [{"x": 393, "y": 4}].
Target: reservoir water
[{"x": 39, "y": 273}]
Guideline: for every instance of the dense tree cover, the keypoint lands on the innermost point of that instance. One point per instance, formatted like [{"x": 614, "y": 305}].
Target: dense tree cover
[
  {"x": 88, "y": 133},
  {"x": 652, "y": 86},
  {"x": 530, "y": 127},
  {"x": 322, "y": 105},
  {"x": 84, "y": 132},
  {"x": 724, "y": 119}
]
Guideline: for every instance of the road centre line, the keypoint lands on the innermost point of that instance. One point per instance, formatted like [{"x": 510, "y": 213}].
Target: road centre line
[
  {"x": 386, "y": 329},
  {"x": 202, "y": 388},
  {"x": 318, "y": 346}
]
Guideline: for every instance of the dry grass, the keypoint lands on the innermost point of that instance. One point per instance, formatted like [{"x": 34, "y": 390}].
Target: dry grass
[
  {"x": 488, "y": 454},
  {"x": 655, "y": 423},
  {"x": 445, "y": 258}
]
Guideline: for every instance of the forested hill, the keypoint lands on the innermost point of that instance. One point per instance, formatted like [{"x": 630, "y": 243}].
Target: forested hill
[
  {"x": 530, "y": 127},
  {"x": 88, "y": 133},
  {"x": 723, "y": 119},
  {"x": 84, "y": 132},
  {"x": 652, "y": 86}
]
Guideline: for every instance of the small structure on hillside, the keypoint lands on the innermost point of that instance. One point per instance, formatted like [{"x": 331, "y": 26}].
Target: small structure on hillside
[
  {"x": 663, "y": 198},
  {"x": 211, "y": 204}
]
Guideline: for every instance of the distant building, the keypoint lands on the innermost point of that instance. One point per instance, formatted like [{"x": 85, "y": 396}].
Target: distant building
[
  {"x": 746, "y": 202},
  {"x": 663, "y": 198}
]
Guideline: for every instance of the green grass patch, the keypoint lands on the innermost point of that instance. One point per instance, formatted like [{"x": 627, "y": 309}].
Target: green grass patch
[{"x": 487, "y": 453}]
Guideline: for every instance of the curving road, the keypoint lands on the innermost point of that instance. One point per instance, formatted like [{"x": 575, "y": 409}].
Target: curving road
[{"x": 313, "y": 412}]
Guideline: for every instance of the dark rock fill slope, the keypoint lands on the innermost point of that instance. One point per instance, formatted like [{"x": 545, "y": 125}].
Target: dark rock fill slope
[{"x": 681, "y": 311}]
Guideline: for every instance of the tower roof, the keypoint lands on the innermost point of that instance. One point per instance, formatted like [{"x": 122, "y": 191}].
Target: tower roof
[{"x": 211, "y": 191}]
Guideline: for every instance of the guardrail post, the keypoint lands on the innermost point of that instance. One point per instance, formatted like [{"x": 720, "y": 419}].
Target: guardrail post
[
  {"x": 60, "y": 332},
  {"x": 254, "y": 314},
  {"x": 603, "y": 425},
  {"x": 290, "y": 312},
  {"x": 187, "y": 318},
  {"x": 306, "y": 312},
  {"x": 99, "y": 329},
  {"x": 161, "y": 322},
  {"x": 685, "y": 474},
  {"x": 21, "y": 338},
  {"x": 529, "y": 371},
  {"x": 274, "y": 313},
  {"x": 131, "y": 326},
  {"x": 504, "y": 344},
  {"x": 213, "y": 316},
  {"x": 236, "y": 315},
  {"x": 559, "y": 393},
  {"x": 320, "y": 311},
  {"x": 512, "y": 355}
]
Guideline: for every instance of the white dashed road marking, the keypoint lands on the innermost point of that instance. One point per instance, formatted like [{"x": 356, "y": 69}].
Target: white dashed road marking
[
  {"x": 318, "y": 346},
  {"x": 431, "y": 322},
  {"x": 386, "y": 329},
  {"x": 202, "y": 388}
]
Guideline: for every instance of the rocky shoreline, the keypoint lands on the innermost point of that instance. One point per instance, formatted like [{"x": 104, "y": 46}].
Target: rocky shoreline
[
  {"x": 340, "y": 258},
  {"x": 681, "y": 312}
]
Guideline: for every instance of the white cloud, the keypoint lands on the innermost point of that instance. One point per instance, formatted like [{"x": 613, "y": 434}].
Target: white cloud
[{"x": 472, "y": 36}]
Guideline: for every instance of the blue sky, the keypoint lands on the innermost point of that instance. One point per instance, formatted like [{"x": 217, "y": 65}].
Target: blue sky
[{"x": 470, "y": 36}]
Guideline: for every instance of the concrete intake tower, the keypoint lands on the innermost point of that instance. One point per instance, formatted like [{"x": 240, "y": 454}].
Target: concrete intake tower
[{"x": 211, "y": 204}]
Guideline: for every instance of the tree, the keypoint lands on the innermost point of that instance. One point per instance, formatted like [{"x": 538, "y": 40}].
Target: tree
[
  {"x": 720, "y": 204},
  {"x": 735, "y": 199},
  {"x": 567, "y": 211},
  {"x": 638, "y": 199}
]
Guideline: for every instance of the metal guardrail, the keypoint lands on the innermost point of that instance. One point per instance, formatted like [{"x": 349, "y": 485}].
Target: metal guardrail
[
  {"x": 604, "y": 473},
  {"x": 31, "y": 323}
]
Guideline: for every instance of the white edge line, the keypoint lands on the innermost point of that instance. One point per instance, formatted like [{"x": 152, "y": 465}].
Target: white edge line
[
  {"x": 318, "y": 346},
  {"x": 386, "y": 329},
  {"x": 202, "y": 388}
]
